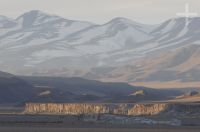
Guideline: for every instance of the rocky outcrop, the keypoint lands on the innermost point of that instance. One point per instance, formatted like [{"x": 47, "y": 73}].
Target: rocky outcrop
[
  {"x": 115, "y": 109},
  {"x": 77, "y": 109},
  {"x": 69, "y": 109},
  {"x": 147, "y": 109}
]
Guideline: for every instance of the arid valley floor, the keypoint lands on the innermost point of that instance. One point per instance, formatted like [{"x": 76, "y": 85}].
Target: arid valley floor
[
  {"x": 79, "y": 126},
  {"x": 64, "y": 129}
]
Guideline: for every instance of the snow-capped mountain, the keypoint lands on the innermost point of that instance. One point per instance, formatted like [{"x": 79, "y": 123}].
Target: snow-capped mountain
[
  {"x": 37, "y": 42},
  {"x": 37, "y": 38},
  {"x": 175, "y": 31}
]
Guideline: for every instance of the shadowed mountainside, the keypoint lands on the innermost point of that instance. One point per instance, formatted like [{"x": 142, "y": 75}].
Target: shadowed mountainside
[
  {"x": 14, "y": 89},
  {"x": 83, "y": 90}
]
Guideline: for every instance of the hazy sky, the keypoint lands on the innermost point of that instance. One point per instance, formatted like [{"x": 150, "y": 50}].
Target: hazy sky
[{"x": 101, "y": 11}]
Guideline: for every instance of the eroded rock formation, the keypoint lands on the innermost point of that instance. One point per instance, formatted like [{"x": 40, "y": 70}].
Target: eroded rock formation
[
  {"x": 115, "y": 109},
  {"x": 77, "y": 109},
  {"x": 148, "y": 109}
]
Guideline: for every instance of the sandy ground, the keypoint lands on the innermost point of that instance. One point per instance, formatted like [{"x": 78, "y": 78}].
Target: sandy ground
[
  {"x": 172, "y": 84},
  {"x": 186, "y": 100},
  {"x": 46, "y": 123}
]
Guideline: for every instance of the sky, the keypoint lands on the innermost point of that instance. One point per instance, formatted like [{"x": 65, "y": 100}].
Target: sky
[{"x": 101, "y": 11}]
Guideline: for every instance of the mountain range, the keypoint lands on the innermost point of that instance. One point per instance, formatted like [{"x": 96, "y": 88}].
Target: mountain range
[{"x": 122, "y": 50}]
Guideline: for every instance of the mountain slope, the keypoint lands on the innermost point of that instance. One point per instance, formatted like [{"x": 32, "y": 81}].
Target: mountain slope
[
  {"x": 60, "y": 89},
  {"x": 14, "y": 89},
  {"x": 17, "y": 90},
  {"x": 182, "y": 64},
  {"x": 38, "y": 40},
  {"x": 178, "y": 68},
  {"x": 37, "y": 43}
]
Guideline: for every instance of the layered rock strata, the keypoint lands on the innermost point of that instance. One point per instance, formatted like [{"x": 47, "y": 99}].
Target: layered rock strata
[{"x": 79, "y": 108}]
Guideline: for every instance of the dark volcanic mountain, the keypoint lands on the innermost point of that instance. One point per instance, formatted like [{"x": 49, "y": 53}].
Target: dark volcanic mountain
[
  {"x": 59, "y": 89},
  {"x": 14, "y": 89}
]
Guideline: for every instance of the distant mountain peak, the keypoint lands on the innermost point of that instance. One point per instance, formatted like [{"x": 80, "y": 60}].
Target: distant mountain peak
[
  {"x": 124, "y": 21},
  {"x": 34, "y": 17},
  {"x": 2, "y": 17},
  {"x": 121, "y": 19},
  {"x": 6, "y": 22},
  {"x": 35, "y": 13}
]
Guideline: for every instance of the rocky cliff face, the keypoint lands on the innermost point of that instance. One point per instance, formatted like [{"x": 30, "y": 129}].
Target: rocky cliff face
[
  {"x": 116, "y": 109},
  {"x": 77, "y": 109},
  {"x": 68, "y": 109},
  {"x": 148, "y": 109}
]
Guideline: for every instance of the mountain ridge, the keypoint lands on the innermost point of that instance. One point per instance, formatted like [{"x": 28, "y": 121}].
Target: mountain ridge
[
  {"x": 51, "y": 45},
  {"x": 21, "y": 89}
]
